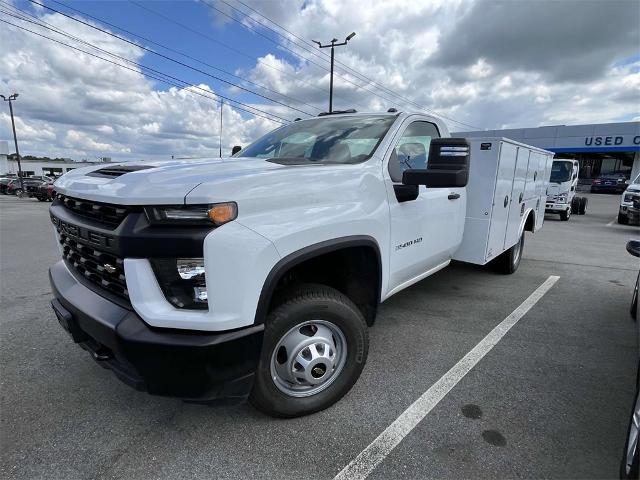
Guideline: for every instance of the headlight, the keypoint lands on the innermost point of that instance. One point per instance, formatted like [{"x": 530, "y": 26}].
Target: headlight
[
  {"x": 182, "y": 281},
  {"x": 196, "y": 215},
  {"x": 562, "y": 198},
  {"x": 628, "y": 197}
]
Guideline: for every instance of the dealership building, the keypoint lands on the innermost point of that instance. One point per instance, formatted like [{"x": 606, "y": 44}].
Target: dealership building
[
  {"x": 51, "y": 167},
  {"x": 600, "y": 148}
]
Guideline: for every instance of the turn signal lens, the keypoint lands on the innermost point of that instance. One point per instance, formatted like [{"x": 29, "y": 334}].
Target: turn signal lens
[
  {"x": 192, "y": 215},
  {"x": 222, "y": 213}
]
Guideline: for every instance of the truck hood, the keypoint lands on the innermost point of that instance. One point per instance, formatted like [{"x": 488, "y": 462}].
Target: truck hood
[
  {"x": 157, "y": 182},
  {"x": 556, "y": 188}
]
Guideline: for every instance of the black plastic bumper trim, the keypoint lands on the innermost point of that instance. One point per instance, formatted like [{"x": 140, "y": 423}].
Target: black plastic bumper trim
[{"x": 196, "y": 366}]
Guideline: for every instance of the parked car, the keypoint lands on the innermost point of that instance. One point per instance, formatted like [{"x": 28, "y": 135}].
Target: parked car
[
  {"x": 45, "y": 192},
  {"x": 613, "y": 182},
  {"x": 631, "y": 456},
  {"x": 626, "y": 200},
  {"x": 4, "y": 182},
  {"x": 30, "y": 184}
]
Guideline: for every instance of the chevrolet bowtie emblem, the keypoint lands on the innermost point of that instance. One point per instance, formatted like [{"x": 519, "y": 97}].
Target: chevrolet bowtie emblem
[{"x": 109, "y": 268}]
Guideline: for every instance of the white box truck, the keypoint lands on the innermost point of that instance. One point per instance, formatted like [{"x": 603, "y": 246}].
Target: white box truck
[
  {"x": 258, "y": 276},
  {"x": 561, "y": 194}
]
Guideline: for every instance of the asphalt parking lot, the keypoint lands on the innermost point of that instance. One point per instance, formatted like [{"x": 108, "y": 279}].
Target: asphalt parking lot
[{"x": 551, "y": 399}]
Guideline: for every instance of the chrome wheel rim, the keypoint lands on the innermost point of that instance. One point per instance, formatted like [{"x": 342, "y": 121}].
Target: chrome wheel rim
[{"x": 308, "y": 358}]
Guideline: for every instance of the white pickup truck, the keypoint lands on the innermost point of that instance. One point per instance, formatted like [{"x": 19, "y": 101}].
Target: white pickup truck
[{"x": 258, "y": 275}]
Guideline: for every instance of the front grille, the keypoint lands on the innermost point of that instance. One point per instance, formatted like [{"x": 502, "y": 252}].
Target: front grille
[
  {"x": 101, "y": 212},
  {"x": 93, "y": 265}
]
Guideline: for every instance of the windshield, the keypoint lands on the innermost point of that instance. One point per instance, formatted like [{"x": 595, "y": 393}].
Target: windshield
[
  {"x": 561, "y": 172},
  {"x": 345, "y": 140}
]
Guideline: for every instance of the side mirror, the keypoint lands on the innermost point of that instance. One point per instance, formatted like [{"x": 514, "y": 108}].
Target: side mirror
[
  {"x": 448, "y": 165},
  {"x": 633, "y": 247},
  {"x": 235, "y": 149}
]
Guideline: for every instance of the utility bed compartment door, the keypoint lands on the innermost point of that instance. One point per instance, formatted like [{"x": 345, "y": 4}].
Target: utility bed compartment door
[
  {"x": 501, "y": 200},
  {"x": 524, "y": 158}
]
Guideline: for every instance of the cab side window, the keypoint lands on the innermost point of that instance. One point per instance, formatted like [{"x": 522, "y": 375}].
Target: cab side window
[{"x": 412, "y": 150}]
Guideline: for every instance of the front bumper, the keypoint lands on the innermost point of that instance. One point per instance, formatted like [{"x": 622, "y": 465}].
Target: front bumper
[
  {"x": 195, "y": 366},
  {"x": 556, "y": 207}
]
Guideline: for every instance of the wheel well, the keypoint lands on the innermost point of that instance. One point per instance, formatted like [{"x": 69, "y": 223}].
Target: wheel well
[
  {"x": 353, "y": 270},
  {"x": 530, "y": 223}
]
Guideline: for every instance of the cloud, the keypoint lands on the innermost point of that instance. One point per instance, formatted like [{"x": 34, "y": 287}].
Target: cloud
[
  {"x": 569, "y": 40},
  {"x": 489, "y": 64},
  {"x": 74, "y": 105}
]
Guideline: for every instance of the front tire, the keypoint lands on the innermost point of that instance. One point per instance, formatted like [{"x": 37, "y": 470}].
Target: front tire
[
  {"x": 565, "y": 215},
  {"x": 629, "y": 465},
  {"x": 623, "y": 219},
  {"x": 315, "y": 347}
]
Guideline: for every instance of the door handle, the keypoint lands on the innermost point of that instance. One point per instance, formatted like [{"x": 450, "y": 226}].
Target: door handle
[{"x": 453, "y": 196}]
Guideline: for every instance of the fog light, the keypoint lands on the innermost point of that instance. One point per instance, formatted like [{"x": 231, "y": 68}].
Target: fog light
[
  {"x": 200, "y": 294},
  {"x": 182, "y": 281},
  {"x": 189, "y": 268}
]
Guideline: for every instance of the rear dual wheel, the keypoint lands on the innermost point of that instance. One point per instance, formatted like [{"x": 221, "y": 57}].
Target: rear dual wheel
[
  {"x": 509, "y": 261},
  {"x": 315, "y": 347}
]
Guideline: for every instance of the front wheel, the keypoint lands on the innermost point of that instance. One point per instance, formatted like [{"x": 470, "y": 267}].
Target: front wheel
[
  {"x": 623, "y": 219},
  {"x": 565, "y": 215},
  {"x": 629, "y": 465},
  {"x": 315, "y": 347}
]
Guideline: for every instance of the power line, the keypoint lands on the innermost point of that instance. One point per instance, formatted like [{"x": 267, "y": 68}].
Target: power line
[
  {"x": 184, "y": 54},
  {"x": 408, "y": 101},
  {"x": 156, "y": 75},
  {"x": 169, "y": 58},
  {"x": 218, "y": 42},
  {"x": 247, "y": 27},
  {"x": 346, "y": 68}
]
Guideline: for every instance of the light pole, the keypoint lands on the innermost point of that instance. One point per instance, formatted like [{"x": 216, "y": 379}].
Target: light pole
[
  {"x": 10, "y": 99},
  {"x": 333, "y": 44}
]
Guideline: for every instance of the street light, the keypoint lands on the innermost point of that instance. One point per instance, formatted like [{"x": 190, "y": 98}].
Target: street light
[
  {"x": 333, "y": 44},
  {"x": 10, "y": 99}
]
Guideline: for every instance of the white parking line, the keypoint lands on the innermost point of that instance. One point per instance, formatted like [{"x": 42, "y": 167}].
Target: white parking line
[
  {"x": 610, "y": 224},
  {"x": 370, "y": 457}
]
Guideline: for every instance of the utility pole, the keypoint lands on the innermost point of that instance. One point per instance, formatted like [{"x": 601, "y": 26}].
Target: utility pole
[
  {"x": 10, "y": 99},
  {"x": 333, "y": 44},
  {"x": 221, "y": 105}
]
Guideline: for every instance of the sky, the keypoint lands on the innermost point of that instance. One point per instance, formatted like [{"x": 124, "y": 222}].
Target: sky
[{"x": 146, "y": 78}]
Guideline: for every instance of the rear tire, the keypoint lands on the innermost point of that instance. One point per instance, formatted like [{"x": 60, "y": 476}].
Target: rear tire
[
  {"x": 509, "y": 261},
  {"x": 575, "y": 205},
  {"x": 41, "y": 199},
  {"x": 583, "y": 205},
  {"x": 278, "y": 393},
  {"x": 623, "y": 219},
  {"x": 566, "y": 215}
]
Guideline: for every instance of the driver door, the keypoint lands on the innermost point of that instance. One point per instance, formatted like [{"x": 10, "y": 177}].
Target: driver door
[{"x": 425, "y": 232}]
